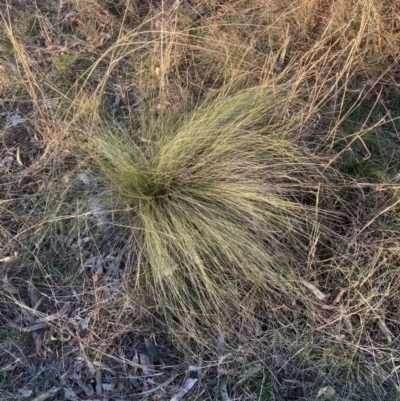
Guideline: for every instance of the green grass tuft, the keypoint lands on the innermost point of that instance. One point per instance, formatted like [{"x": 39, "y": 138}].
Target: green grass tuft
[{"x": 219, "y": 204}]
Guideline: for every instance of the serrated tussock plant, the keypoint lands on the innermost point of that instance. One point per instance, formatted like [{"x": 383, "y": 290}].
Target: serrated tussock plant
[{"x": 221, "y": 203}]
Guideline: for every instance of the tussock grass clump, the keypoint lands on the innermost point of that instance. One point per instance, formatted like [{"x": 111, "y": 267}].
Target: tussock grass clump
[{"x": 219, "y": 204}]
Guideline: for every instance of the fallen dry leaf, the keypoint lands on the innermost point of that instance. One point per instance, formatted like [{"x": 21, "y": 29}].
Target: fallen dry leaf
[
  {"x": 35, "y": 327},
  {"x": 224, "y": 391},
  {"x": 39, "y": 342},
  {"x": 189, "y": 383},
  {"x": 56, "y": 315},
  {"x": 98, "y": 211},
  {"x": 78, "y": 321},
  {"x": 175, "y": 6},
  {"x": 108, "y": 386},
  {"x": 43, "y": 396},
  {"x": 361, "y": 185},
  {"x": 145, "y": 364},
  {"x": 339, "y": 296},
  {"x": 13, "y": 119},
  {"x": 282, "y": 55},
  {"x": 151, "y": 351},
  {"x": 7, "y": 162},
  {"x": 105, "y": 35},
  {"x": 319, "y": 294},
  {"x": 18, "y": 156},
  {"x": 25, "y": 393},
  {"x": 70, "y": 395},
  {"x": 33, "y": 296},
  {"x": 87, "y": 178},
  {"x": 71, "y": 15},
  {"x": 299, "y": 382},
  {"x": 47, "y": 394},
  {"x": 8, "y": 286},
  {"x": 99, "y": 387},
  {"x": 328, "y": 392},
  {"x": 155, "y": 389},
  {"x": 105, "y": 394},
  {"x": 7, "y": 259}
]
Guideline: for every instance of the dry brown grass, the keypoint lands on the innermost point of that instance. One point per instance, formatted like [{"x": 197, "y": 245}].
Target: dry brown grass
[{"x": 72, "y": 68}]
